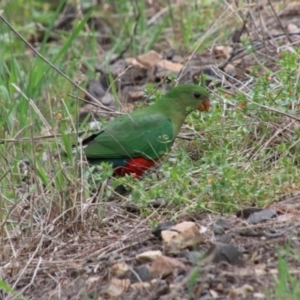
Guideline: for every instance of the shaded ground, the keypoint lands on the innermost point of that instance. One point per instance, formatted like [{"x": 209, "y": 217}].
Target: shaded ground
[{"x": 77, "y": 260}]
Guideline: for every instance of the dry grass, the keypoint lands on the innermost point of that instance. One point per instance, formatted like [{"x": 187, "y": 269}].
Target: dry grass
[{"x": 61, "y": 232}]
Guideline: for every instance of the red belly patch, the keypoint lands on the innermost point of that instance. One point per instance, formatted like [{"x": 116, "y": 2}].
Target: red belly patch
[{"x": 135, "y": 166}]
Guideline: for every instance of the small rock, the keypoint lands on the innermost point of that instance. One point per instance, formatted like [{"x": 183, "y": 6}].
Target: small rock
[
  {"x": 246, "y": 212},
  {"x": 225, "y": 238},
  {"x": 140, "y": 274},
  {"x": 170, "y": 66},
  {"x": 262, "y": 216},
  {"x": 177, "y": 58},
  {"x": 164, "y": 266},
  {"x": 220, "y": 226},
  {"x": 148, "y": 256},
  {"x": 181, "y": 236},
  {"x": 107, "y": 99},
  {"x": 160, "y": 227},
  {"x": 194, "y": 257},
  {"x": 119, "y": 269},
  {"x": 117, "y": 287},
  {"x": 220, "y": 287},
  {"x": 218, "y": 230},
  {"x": 95, "y": 89},
  {"x": 150, "y": 58},
  {"x": 224, "y": 252}
]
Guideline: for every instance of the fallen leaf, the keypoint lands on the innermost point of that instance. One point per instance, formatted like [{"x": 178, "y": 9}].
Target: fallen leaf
[
  {"x": 117, "y": 287},
  {"x": 140, "y": 285},
  {"x": 119, "y": 269},
  {"x": 172, "y": 67},
  {"x": 149, "y": 59},
  {"x": 148, "y": 256},
  {"x": 130, "y": 61},
  {"x": 164, "y": 266}
]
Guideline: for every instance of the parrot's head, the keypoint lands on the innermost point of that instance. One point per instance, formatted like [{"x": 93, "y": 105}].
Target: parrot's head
[{"x": 189, "y": 97}]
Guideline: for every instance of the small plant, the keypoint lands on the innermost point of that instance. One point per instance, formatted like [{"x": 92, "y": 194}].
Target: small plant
[{"x": 287, "y": 284}]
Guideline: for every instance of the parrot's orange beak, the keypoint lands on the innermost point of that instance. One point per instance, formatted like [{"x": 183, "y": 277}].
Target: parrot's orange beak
[{"x": 205, "y": 105}]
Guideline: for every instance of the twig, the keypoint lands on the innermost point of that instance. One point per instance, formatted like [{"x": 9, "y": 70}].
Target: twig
[{"x": 279, "y": 22}]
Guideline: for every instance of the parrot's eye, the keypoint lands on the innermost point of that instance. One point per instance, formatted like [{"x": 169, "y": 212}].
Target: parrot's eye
[{"x": 197, "y": 95}]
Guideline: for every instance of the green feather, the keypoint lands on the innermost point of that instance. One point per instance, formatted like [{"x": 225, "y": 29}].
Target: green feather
[
  {"x": 137, "y": 135},
  {"x": 148, "y": 132}
]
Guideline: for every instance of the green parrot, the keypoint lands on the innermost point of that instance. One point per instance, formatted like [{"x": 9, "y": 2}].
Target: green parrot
[{"x": 133, "y": 143}]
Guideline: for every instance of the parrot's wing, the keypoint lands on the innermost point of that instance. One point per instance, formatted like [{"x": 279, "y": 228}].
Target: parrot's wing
[{"x": 137, "y": 135}]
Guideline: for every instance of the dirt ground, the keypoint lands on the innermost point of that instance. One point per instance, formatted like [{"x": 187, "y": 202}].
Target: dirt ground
[{"x": 100, "y": 261}]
